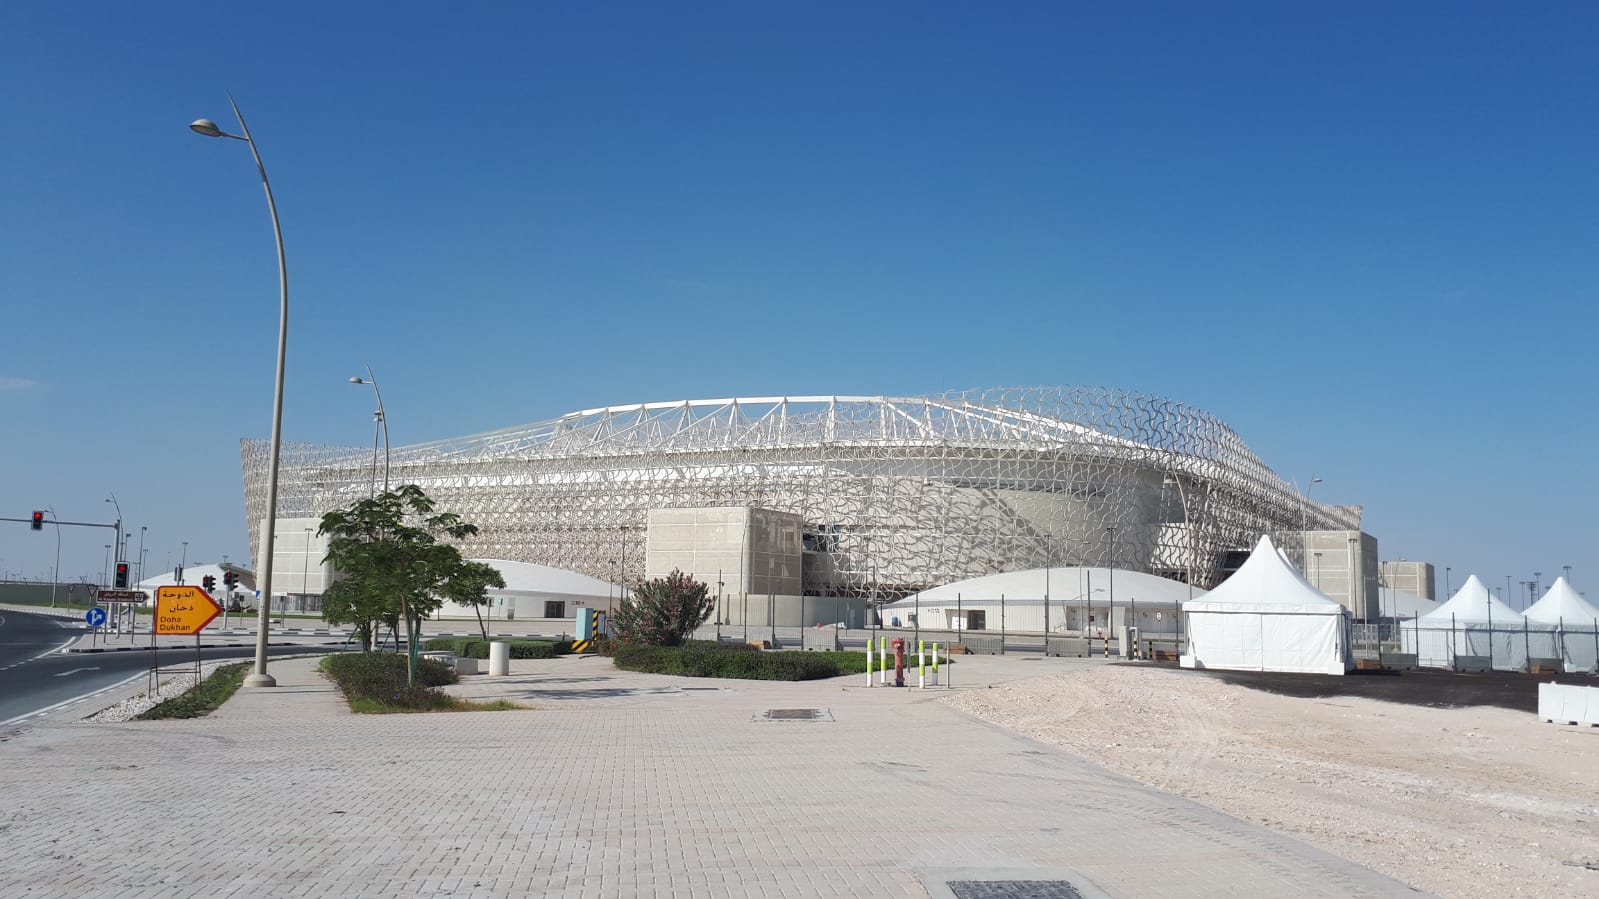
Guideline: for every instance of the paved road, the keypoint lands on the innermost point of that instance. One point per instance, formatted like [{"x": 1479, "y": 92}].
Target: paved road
[{"x": 34, "y": 676}]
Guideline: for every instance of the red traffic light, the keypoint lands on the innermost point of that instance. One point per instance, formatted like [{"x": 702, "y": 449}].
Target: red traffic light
[
  {"x": 38, "y": 520},
  {"x": 122, "y": 576}
]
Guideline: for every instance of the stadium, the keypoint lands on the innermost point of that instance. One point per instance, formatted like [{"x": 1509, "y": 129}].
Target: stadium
[{"x": 845, "y": 496}]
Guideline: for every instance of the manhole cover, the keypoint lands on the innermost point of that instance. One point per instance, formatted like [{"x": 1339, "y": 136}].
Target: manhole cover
[
  {"x": 794, "y": 715},
  {"x": 1014, "y": 889}
]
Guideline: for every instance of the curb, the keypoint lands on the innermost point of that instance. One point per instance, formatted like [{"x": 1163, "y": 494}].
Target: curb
[{"x": 178, "y": 648}]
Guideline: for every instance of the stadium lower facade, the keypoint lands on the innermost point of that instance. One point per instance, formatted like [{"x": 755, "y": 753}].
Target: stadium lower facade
[{"x": 894, "y": 494}]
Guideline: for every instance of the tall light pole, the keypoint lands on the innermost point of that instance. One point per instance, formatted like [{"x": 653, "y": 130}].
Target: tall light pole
[
  {"x": 1447, "y": 586},
  {"x": 1304, "y": 503},
  {"x": 1566, "y": 567},
  {"x": 1110, "y": 612},
  {"x": 106, "y": 568},
  {"x": 382, "y": 423},
  {"x": 183, "y": 561},
  {"x": 260, "y": 678},
  {"x": 142, "y": 529},
  {"x": 1188, "y": 530},
  {"x": 56, "y": 573},
  {"x": 305, "y": 573},
  {"x": 116, "y": 537}
]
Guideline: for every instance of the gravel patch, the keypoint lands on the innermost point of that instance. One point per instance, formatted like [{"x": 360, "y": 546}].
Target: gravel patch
[{"x": 170, "y": 682}]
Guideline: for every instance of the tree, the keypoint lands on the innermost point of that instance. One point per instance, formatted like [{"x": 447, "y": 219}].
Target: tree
[
  {"x": 469, "y": 585},
  {"x": 663, "y": 611},
  {"x": 387, "y": 552}
]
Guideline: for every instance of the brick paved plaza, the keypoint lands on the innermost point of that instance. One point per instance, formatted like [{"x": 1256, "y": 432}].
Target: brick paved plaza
[{"x": 614, "y": 784}]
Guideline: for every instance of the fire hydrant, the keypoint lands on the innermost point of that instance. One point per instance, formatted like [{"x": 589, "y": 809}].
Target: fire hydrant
[{"x": 899, "y": 662}]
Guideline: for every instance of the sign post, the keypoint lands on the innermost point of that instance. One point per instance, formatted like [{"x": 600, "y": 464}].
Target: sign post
[
  {"x": 95, "y": 618},
  {"x": 180, "y": 611}
]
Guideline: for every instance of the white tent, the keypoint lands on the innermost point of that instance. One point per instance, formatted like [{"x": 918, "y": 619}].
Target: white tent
[
  {"x": 1402, "y": 605},
  {"x": 538, "y": 591},
  {"x": 1472, "y": 624},
  {"x": 1575, "y": 638},
  {"x": 1267, "y": 617},
  {"x": 1080, "y": 598}
]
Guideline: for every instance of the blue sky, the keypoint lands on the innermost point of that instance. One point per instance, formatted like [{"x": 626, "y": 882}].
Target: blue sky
[{"x": 1361, "y": 233}]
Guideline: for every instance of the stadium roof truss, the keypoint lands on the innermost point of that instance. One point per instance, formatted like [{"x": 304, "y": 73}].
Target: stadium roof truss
[{"x": 913, "y": 491}]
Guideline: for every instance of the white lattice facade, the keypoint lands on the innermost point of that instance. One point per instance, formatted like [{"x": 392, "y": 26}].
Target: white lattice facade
[{"x": 897, "y": 493}]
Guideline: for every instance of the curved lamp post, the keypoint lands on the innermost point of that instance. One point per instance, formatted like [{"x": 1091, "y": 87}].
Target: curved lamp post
[
  {"x": 383, "y": 422},
  {"x": 260, "y": 678}
]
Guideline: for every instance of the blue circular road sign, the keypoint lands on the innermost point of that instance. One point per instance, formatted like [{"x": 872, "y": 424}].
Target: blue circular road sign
[{"x": 95, "y": 617}]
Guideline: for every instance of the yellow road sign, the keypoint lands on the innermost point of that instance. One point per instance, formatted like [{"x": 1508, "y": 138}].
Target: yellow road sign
[{"x": 180, "y": 611}]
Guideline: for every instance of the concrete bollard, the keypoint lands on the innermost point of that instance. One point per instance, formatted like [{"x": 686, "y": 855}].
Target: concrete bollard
[{"x": 499, "y": 659}]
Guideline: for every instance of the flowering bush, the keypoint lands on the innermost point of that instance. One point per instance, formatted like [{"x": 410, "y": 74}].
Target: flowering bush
[{"x": 663, "y": 611}]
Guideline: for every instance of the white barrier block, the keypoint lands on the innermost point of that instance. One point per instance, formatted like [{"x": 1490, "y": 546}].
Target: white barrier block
[{"x": 1568, "y": 704}]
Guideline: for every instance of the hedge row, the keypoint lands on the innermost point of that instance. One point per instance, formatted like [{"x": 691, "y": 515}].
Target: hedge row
[
  {"x": 698, "y": 658},
  {"x": 380, "y": 677},
  {"x": 478, "y": 648}
]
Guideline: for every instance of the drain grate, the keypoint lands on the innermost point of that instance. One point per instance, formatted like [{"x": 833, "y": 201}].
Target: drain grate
[
  {"x": 795, "y": 715},
  {"x": 1013, "y": 889}
]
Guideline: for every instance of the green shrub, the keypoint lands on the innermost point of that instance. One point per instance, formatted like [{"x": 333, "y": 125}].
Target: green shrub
[
  {"x": 698, "y": 658},
  {"x": 476, "y": 648},
  {"x": 203, "y": 699},
  {"x": 380, "y": 676},
  {"x": 448, "y": 644}
]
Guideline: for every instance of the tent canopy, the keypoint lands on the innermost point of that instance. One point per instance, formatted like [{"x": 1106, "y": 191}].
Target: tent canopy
[
  {"x": 1267, "y": 582},
  {"x": 1267, "y": 617},
  {"x": 1562, "y": 604},
  {"x": 1399, "y": 604},
  {"x": 1473, "y": 603},
  {"x": 1065, "y": 584}
]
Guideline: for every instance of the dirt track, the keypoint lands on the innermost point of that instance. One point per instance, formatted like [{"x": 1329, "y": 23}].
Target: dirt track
[{"x": 1480, "y": 801}]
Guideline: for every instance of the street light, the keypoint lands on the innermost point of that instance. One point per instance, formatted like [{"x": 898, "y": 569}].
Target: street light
[
  {"x": 56, "y": 573},
  {"x": 305, "y": 573},
  {"x": 1110, "y": 613},
  {"x": 1188, "y": 530},
  {"x": 260, "y": 678},
  {"x": 1304, "y": 502},
  {"x": 382, "y": 422}
]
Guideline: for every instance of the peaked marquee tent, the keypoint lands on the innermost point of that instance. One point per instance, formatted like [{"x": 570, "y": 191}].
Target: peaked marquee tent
[
  {"x": 1574, "y": 639},
  {"x": 1267, "y": 617},
  {"x": 1471, "y": 623}
]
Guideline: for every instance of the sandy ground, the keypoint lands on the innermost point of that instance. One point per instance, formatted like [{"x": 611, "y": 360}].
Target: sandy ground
[{"x": 1462, "y": 802}]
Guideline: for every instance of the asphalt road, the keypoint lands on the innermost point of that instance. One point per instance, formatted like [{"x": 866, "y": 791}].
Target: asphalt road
[{"x": 34, "y": 675}]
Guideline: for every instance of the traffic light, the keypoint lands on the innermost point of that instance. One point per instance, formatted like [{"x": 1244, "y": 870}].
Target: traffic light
[
  {"x": 229, "y": 579},
  {"x": 122, "y": 576},
  {"x": 38, "y": 520},
  {"x": 209, "y": 583}
]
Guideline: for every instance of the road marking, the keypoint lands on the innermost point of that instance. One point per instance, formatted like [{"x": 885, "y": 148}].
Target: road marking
[
  {"x": 61, "y": 648},
  {"x": 74, "y": 700},
  {"x": 76, "y": 670}
]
